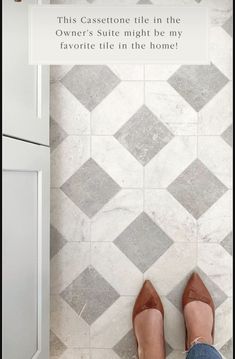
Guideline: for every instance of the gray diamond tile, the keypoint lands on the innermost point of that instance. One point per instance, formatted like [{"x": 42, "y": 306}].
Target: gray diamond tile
[
  {"x": 228, "y": 135},
  {"x": 143, "y": 242},
  {"x": 228, "y": 26},
  {"x": 57, "y": 134},
  {"x": 198, "y": 84},
  {"x": 126, "y": 348},
  {"x": 90, "y": 295},
  {"x": 90, "y": 188},
  {"x": 57, "y": 347},
  {"x": 57, "y": 241},
  {"x": 197, "y": 189},
  {"x": 144, "y": 135},
  {"x": 90, "y": 84},
  {"x": 227, "y": 243},
  {"x": 175, "y": 294},
  {"x": 227, "y": 349}
]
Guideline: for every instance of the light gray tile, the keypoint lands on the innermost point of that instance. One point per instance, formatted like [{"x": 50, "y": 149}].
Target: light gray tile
[
  {"x": 126, "y": 348},
  {"x": 90, "y": 188},
  {"x": 197, "y": 189},
  {"x": 228, "y": 26},
  {"x": 198, "y": 84},
  {"x": 227, "y": 243},
  {"x": 175, "y": 295},
  {"x": 145, "y": 2},
  {"x": 90, "y": 84},
  {"x": 144, "y": 135},
  {"x": 57, "y": 347},
  {"x": 90, "y": 295},
  {"x": 57, "y": 241},
  {"x": 228, "y": 135},
  {"x": 57, "y": 134},
  {"x": 143, "y": 242},
  {"x": 227, "y": 349}
]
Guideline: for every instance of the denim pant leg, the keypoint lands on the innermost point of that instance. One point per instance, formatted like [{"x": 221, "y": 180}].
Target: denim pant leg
[{"x": 203, "y": 351}]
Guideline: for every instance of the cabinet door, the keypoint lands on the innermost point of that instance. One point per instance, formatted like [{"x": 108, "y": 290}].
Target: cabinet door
[
  {"x": 25, "y": 87},
  {"x": 25, "y": 250}
]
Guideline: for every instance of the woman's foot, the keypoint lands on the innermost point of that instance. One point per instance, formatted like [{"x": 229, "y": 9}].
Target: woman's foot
[
  {"x": 198, "y": 308},
  {"x": 148, "y": 323}
]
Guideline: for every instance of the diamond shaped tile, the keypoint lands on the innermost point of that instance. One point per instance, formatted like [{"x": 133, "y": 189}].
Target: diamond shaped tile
[
  {"x": 57, "y": 134},
  {"x": 227, "y": 349},
  {"x": 126, "y": 348},
  {"x": 90, "y": 84},
  {"x": 175, "y": 294},
  {"x": 198, "y": 84},
  {"x": 228, "y": 135},
  {"x": 197, "y": 189},
  {"x": 57, "y": 241},
  {"x": 227, "y": 243},
  {"x": 144, "y": 135},
  {"x": 90, "y": 188},
  {"x": 57, "y": 347},
  {"x": 90, "y": 295},
  {"x": 143, "y": 242},
  {"x": 228, "y": 26}
]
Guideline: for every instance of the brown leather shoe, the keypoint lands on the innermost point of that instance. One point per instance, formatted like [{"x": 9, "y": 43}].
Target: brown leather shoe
[
  {"x": 196, "y": 290},
  {"x": 147, "y": 299}
]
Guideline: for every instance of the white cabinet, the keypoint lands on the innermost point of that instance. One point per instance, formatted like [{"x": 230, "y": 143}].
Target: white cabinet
[
  {"x": 25, "y": 250},
  {"x": 25, "y": 87}
]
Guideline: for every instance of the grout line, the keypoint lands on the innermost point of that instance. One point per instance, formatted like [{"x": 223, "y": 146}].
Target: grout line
[{"x": 168, "y": 124}]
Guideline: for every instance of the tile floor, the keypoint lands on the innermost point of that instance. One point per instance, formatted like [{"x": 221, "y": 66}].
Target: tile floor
[{"x": 141, "y": 166}]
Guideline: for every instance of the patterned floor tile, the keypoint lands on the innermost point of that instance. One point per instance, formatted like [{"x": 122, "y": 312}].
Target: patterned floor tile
[
  {"x": 198, "y": 84},
  {"x": 68, "y": 157},
  {"x": 179, "y": 260},
  {"x": 228, "y": 26},
  {"x": 57, "y": 241},
  {"x": 68, "y": 219},
  {"x": 71, "y": 329},
  {"x": 76, "y": 354},
  {"x": 111, "y": 327},
  {"x": 220, "y": 49},
  {"x": 159, "y": 72},
  {"x": 227, "y": 135},
  {"x": 124, "y": 101},
  {"x": 67, "y": 111},
  {"x": 90, "y": 84},
  {"x": 56, "y": 345},
  {"x": 127, "y": 72},
  {"x": 103, "y": 354},
  {"x": 174, "y": 159},
  {"x": 209, "y": 121},
  {"x": 167, "y": 104},
  {"x": 113, "y": 265},
  {"x": 216, "y": 262},
  {"x": 216, "y": 222},
  {"x": 57, "y": 134},
  {"x": 90, "y": 295},
  {"x": 197, "y": 188},
  {"x": 223, "y": 319},
  {"x": 227, "y": 349},
  {"x": 227, "y": 243},
  {"x": 117, "y": 161},
  {"x": 126, "y": 348},
  {"x": 116, "y": 215},
  {"x": 170, "y": 216},
  {"x": 217, "y": 157},
  {"x": 143, "y": 242},
  {"x": 90, "y": 188},
  {"x": 57, "y": 72},
  {"x": 67, "y": 264},
  {"x": 143, "y": 135}
]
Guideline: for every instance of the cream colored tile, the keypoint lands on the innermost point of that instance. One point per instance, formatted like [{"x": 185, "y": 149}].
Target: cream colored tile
[
  {"x": 117, "y": 108},
  {"x": 116, "y": 215},
  {"x": 127, "y": 72},
  {"x": 67, "y": 264},
  {"x": 68, "y": 157},
  {"x": 170, "y": 162},
  {"x": 71, "y": 329},
  {"x": 170, "y": 215},
  {"x": 159, "y": 72},
  {"x": 103, "y": 354},
  {"x": 221, "y": 50},
  {"x": 223, "y": 320},
  {"x": 74, "y": 353},
  {"x": 117, "y": 161}
]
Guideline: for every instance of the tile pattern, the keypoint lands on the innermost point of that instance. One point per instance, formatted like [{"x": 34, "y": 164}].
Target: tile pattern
[{"x": 141, "y": 188}]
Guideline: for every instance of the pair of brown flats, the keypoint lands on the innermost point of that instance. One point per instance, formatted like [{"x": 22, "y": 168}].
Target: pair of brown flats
[{"x": 195, "y": 290}]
